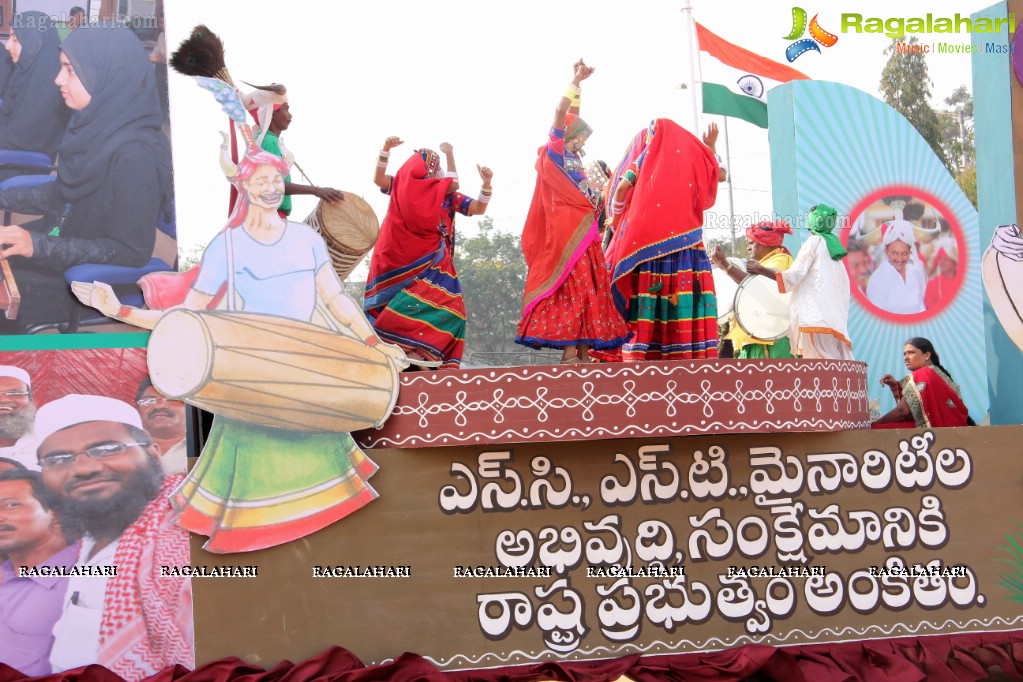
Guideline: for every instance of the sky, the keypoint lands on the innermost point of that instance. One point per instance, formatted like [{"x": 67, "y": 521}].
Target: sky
[{"x": 486, "y": 77}]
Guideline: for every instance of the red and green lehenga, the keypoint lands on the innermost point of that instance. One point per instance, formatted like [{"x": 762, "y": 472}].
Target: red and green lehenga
[
  {"x": 413, "y": 297},
  {"x": 659, "y": 268},
  {"x": 567, "y": 300}
]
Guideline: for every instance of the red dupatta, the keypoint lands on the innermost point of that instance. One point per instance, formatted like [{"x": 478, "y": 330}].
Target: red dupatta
[
  {"x": 676, "y": 182},
  {"x": 559, "y": 227},
  {"x": 409, "y": 232},
  {"x": 933, "y": 400},
  {"x": 639, "y": 143},
  {"x": 938, "y": 397}
]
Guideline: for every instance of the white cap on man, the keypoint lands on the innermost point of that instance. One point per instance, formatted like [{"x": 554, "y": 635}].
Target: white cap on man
[
  {"x": 16, "y": 373},
  {"x": 72, "y": 410}
]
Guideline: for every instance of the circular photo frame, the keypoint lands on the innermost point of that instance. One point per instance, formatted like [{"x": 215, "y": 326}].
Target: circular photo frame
[{"x": 907, "y": 254}]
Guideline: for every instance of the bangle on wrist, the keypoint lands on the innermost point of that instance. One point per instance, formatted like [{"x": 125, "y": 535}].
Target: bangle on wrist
[
  {"x": 572, "y": 92},
  {"x": 384, "y": 154},
  {"x": 381, "y": 164},
  {"x": 483, "y": 198},
  {"x": 451, "y": 174}
]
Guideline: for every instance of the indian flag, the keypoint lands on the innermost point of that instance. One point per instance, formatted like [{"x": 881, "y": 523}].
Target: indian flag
[{"x": 746, "y": 77}]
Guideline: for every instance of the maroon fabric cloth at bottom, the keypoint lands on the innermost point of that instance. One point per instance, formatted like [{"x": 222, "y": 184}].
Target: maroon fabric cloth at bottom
[{"x": 937, "y": 658}]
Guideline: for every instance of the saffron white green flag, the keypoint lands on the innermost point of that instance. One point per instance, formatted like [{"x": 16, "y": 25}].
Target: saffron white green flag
[{"x": 739, "y": 79}]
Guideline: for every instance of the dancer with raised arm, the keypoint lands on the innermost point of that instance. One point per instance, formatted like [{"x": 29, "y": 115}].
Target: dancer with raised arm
[
  {"x": 413, "y": 296},
  {"x": 567, "y": 302}
]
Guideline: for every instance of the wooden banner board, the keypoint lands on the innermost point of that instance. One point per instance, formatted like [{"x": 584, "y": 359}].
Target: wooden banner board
[{"x": 499, "y": 555}]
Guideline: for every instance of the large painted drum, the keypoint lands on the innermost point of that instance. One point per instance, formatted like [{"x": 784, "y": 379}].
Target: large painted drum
[
  {"x": 271, "y": 371},
  {"x": 761, "y": 310},
  {"x": 725, "y": 288}
]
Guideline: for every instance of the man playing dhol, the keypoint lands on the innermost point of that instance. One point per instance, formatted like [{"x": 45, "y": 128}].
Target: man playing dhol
[
  {"x": 29, "y": 605},
  {"x": 164, "y": 420},
  {"x": 820, "y": 290},
  {"x": 765, "y": 246},
  {"x": 17, "y": 412},
  {"x": 104, "y": 473}
]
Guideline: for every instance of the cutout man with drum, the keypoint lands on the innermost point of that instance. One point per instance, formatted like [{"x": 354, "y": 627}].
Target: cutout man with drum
[{"x": 286, "y": 361}]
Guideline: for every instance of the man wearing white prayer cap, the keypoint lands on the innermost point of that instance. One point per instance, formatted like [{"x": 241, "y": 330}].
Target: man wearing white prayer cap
[
  {"x": 109, "y": 487},
  {"x": 17, "y": 413},
  {"x": 899, "y": 284}
]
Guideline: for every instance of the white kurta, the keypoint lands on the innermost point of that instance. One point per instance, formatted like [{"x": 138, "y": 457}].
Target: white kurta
[
  {"x": 24, "y": 451},
  {"x": 175, "y": 460},
  {"x": 76, "y": 634},
  {"x": 888, "y": 291},
  {"x": 820, "y": 296}
]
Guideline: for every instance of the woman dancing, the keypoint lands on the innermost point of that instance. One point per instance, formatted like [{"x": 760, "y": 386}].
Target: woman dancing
[
  {"x": 413, "y": 297},
  {"x": 567, "y": 303},
  {"x": 659, "y": 266}
]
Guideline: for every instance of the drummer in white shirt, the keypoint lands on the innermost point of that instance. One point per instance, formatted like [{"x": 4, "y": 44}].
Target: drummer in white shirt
[
  {"x": 820, "y": 290},
  {"x": 765, "y": 246},
  {"x": 899, "y": 284}
]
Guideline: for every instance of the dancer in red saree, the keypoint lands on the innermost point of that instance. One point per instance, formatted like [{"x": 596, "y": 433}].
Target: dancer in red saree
[
  {"x": 413, "y": 297},
  {"x": 660, "y": 271},
  {"x": 926, "y": 397},
  {"x": 567, "y": 303}
]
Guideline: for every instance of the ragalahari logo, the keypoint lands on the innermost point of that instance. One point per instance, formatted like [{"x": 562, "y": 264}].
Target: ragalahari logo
[{"x": 817, "y": 35}]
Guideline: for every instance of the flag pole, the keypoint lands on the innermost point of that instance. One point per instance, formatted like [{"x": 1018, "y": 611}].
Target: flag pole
[
  {"x": 731, "y": 204},
  {"x": 687, "y": 9}
]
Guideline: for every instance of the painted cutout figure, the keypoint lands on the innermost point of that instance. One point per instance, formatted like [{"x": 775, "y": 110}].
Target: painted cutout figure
[
  {"x": 287, "y": 362},
  {"x": 1002, "y": 269}
]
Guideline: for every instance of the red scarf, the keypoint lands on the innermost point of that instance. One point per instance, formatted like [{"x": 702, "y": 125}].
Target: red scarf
[
  {"x": 559, "y": 227},
  {"x": 940, "y": 401},
  {"x": 677, "y": 181},
  {"x": 147, "y": 618},
  {"x": 410, "y": 228}
]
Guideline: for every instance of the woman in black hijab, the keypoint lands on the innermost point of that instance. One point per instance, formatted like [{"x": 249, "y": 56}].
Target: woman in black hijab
[
  {"x": 113, "y": 174},
  {"x": 33, "y": 116}
]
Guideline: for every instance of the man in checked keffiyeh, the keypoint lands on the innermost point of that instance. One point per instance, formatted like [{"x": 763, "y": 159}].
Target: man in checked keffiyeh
[{"x": 108, "y": 486}]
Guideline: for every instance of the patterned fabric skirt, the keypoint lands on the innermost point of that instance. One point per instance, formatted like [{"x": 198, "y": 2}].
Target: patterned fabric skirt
[
  {"x": 427, "y": 316},
  {"x": 673, "y": 309},
  {"x": 580, "y": 311},
  {"x": 256, "y": 487}
]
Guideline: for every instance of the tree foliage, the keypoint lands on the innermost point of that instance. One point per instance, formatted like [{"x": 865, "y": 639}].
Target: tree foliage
[
  {"x": 492, "y": 271},
  {"x": 958, "y": 141},
  {"x": 906, "y": 87},
  {"x": 957, "y": 130}
]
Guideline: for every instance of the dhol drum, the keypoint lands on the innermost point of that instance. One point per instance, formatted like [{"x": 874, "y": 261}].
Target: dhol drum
[
  {"x": 760, "y": 310},
  {"x": 272, "y": 371},
  {"x": 350, "y": 229},
  {"x": 725, "y": 288}
]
